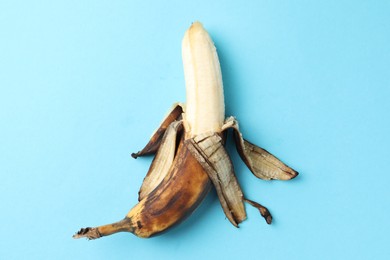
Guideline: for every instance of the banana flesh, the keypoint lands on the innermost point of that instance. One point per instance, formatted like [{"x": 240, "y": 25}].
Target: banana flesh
[
  {"x": 190, "y": 154},
  {"x": 205, "y": 107}
]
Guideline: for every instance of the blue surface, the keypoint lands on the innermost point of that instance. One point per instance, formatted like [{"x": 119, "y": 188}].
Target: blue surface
[{"x": 84, "y": 83}]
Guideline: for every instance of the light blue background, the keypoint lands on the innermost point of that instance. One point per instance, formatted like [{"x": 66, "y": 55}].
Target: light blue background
[{"x": 84, "y": 83}]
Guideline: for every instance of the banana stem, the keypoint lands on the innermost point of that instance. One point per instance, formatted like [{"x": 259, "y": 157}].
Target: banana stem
[{"x": 96, "y": 232}]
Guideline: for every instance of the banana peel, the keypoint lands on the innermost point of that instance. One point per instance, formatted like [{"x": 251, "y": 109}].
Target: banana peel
[{"x": 190, "y": 156}]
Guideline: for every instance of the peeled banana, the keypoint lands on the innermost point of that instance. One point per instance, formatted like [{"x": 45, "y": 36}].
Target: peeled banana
[{"x": 190, "y": 156}]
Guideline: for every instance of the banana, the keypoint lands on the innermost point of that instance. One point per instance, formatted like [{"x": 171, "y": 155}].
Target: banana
[{"x": 190, "y": 154}]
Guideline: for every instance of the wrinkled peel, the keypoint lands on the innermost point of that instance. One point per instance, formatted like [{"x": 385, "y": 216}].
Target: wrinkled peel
[
  {"x": 154, "y": 143},
  {"x": 211, "y": 154},
  {"x": 162, "y": 162},
  {"x": 260, "y": 162}
]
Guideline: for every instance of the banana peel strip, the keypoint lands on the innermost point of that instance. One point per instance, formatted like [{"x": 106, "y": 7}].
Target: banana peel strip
[
  {"x": 260, "y": 162},
  {"x": 163, "y": 160},
  {"x": 154, "y": 143},
  {"x": 208, "y": 149}
]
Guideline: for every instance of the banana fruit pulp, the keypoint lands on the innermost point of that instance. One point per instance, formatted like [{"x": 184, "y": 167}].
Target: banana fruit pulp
[{"x": 190, "y": 156}]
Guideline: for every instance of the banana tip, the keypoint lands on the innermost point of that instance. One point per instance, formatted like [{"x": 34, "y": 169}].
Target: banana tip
[
  {"x": 294, "y": 175},
  {"x": 196, "y": 24},
  {"x": 268, "y": 219}
]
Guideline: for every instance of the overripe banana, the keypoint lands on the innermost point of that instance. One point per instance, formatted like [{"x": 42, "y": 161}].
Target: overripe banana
[{"x": 190, "y": 153}]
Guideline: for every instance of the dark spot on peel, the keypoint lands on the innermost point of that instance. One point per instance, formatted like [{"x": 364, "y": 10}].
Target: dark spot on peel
[
  {"x": 170, "y": 203},
  {"x": 139, "y": 224}
]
